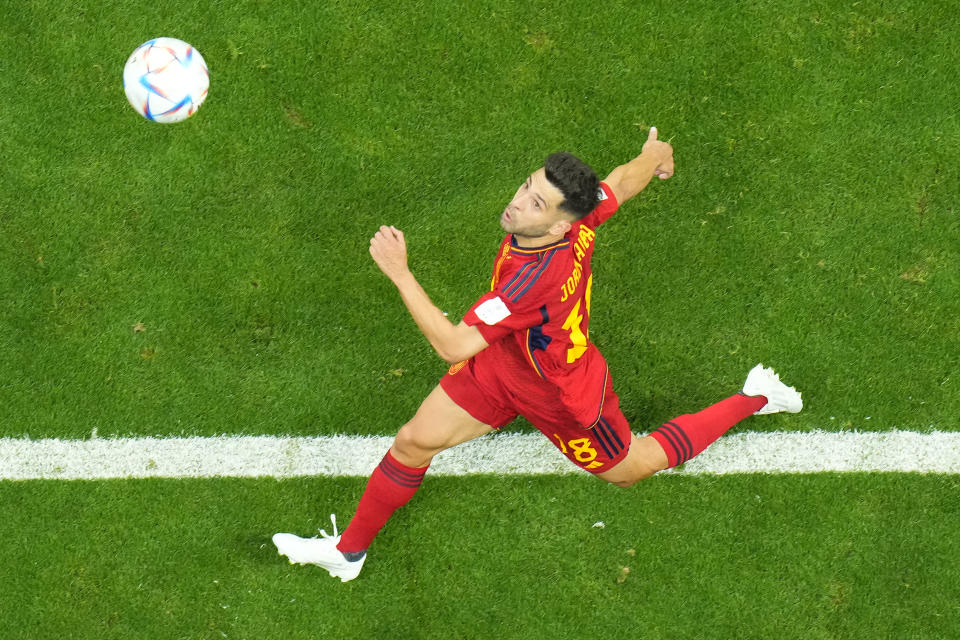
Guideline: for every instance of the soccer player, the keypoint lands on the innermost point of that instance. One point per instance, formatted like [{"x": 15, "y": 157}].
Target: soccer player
[{"x": 524, "y": 349}]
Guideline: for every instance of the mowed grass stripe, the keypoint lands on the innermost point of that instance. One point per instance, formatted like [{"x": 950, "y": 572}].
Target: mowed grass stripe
[{"x": 512, "y": 454}]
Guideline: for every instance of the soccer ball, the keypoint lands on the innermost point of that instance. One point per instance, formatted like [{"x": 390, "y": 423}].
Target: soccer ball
[{"x": 166, "y": 80}]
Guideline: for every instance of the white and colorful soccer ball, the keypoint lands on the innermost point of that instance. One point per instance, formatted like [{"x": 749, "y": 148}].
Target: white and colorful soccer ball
[{"x": 166, "y": 80}]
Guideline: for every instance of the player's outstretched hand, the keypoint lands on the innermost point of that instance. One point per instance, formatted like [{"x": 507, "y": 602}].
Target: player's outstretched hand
[
  {"x": 661, "y": 149},
  {"x": 389, "y": 251}
]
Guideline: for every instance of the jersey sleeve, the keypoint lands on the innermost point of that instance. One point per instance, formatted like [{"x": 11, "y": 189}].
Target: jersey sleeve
[
  {"x": 496, "y": 316},
  {"x": 603, "y": 211}
]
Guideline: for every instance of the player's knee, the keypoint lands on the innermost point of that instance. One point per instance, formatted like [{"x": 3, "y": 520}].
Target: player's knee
[
  {"x": 626, "y": 483},
  {"x": 631, "y": 476},
  {"x": 641, "y": 462},
  {"x": 413, "y": 446}
]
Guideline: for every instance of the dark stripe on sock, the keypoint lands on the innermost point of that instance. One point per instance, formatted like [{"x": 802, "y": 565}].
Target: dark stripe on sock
[
  {"x": 686, "y": 439},
  {"x": 416, "y": 474},
  {"x": 402, "y": 478},
  {"x": 390, "y": 475},
  {"x": 682, "y": 438},
  {"x": 685, "y": 443},
  {"x": 670, "y": 438},
  {"x": 671, "y": 430}
]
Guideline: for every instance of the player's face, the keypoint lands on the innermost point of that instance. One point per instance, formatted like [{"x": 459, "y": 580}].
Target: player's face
[{"x": 534, "y": 211}]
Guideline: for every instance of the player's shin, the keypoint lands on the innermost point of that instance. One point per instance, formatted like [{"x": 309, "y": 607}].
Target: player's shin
[
  {"x": 391, "y": 486},
  {"x": 686, "y": 436}
]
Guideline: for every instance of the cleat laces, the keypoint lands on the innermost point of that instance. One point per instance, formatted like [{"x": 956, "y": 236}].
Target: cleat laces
[{"x": 336, "y": 534}]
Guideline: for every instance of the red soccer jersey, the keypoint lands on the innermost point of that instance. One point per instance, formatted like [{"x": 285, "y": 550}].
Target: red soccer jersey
[{"x": 539, "y": 309}]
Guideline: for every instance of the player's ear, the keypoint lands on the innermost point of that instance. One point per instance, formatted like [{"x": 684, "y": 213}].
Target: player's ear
[{"x": 560, "y": 227}]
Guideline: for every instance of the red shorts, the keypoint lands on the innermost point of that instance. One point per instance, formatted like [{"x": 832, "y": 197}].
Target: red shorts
[{"x": 495, "y": 390}]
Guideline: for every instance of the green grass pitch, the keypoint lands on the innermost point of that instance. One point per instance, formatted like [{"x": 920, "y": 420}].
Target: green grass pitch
[
  {"x": 792, "y": 557},
  {"x": 812, "y": 225}
]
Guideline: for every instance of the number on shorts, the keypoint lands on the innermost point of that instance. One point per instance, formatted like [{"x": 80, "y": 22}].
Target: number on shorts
[{"x": 580, "y": 448}]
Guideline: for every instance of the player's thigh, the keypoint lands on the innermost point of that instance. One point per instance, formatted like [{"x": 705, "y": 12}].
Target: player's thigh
[
  {"x": 645, "y": 458},
  {"x": 439, "y": 424}
]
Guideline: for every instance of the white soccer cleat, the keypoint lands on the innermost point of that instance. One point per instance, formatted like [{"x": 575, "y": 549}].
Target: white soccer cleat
[
  {"x": 780, "y": 397},
  {"x": 321, "y": 551}
]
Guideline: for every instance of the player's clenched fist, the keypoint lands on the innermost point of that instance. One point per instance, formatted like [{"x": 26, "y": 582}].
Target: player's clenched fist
[{"x": 389, "y": 251}]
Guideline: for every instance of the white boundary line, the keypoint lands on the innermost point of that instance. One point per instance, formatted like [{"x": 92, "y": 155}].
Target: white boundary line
[{"x": 502, "y": 453}]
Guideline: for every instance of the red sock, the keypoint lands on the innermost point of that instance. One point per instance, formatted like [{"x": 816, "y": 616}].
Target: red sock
[
  {"x": 390, "y": 487},
  {"x": 686, "y": 436}
]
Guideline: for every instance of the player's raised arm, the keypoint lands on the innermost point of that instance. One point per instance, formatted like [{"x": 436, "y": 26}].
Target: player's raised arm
[
  {"x": 453, "y": 343},
  {"x": 655, "y": 159}
]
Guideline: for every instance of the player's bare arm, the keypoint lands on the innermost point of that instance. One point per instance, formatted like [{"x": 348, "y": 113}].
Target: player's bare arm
[
  {"x": 655, "y": 159},
  {"x": 453, "y": 343}
]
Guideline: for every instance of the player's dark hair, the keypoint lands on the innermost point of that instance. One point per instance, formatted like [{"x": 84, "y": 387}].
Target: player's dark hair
[{"x": 576, "y": 180}]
